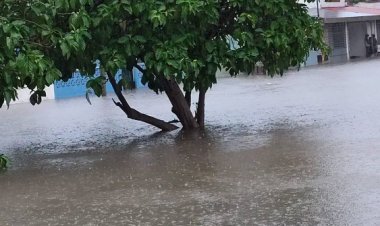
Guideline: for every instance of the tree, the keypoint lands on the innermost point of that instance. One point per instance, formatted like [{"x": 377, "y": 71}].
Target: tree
[{"x": 182, "y": 43}]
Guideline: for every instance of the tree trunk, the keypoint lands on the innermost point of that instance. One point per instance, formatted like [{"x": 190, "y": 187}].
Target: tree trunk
[
  {"x": 104, "y": 88},
  {"x": 201, "y": 108},
  {"x": 188, "y": 98},
  {"x": 134, "y": 114},
  {"x": 179, "y": 103}
]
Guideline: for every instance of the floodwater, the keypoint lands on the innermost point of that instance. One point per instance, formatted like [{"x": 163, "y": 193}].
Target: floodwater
[{"x": 303, "y": 149}]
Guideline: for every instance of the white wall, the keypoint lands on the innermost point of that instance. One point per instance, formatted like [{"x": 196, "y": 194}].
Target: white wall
[
  {"x": 371, "y": 28},
  {"x": 24, "y": 95},
  {"x": 323, "y": 4},
  {"x": 340, "y": 3},
  {"x": 310, "y": 5}
]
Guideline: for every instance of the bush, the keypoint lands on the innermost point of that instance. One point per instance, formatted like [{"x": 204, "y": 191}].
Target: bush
[{"x": 4, "y": 162}]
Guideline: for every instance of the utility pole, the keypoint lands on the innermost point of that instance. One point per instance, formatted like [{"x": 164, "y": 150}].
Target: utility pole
[{"x": 318, "y": 9}]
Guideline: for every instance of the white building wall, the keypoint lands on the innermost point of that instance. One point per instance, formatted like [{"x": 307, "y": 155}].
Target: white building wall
[
  {"x": 324, "y": 4},
  {"x": 310, "y": 5},
  {"x": 335, "y": 3},
  {"x": 24, "y": 95}
]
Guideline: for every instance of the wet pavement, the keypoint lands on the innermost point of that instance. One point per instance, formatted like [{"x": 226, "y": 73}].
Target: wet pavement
[{"x": 303, "y": 149}]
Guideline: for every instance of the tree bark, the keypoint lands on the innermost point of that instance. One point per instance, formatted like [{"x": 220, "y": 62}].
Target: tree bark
[
  {"x": 179, "y": 103},
  {"x": 201, "y": 108},
  {"x": 104, "y": 90},
  {"x": 134, "y": 114},
  {"x": 188, "y": 98}
]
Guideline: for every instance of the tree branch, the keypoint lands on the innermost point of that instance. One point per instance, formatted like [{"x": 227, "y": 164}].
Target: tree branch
[
  {"x": 142, "y": 70},
  {"x": 174, "y": 121},
  {"x": 134, "y": 114}
]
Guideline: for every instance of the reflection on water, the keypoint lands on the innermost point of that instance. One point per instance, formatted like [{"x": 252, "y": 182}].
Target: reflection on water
[{"x": 290, "y": 155}]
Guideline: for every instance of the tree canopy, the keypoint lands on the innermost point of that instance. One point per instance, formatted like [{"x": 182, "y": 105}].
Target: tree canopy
[{"x": 181, "y": 42}]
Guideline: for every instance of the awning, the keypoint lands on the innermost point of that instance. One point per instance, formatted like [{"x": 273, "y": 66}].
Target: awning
[{"x": 346, "y": 14}]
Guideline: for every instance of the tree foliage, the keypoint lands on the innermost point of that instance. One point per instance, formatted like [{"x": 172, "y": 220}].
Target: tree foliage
[{"x": 185, "y": 41}]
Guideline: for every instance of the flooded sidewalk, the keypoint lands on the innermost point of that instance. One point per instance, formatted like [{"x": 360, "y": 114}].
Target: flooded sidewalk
[{"x": 302, "y": 149}]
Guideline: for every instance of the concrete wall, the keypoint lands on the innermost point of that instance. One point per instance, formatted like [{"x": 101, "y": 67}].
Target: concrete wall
[
  {"x": 312, "y": 59},
  {"x": 24, "y": 95}
]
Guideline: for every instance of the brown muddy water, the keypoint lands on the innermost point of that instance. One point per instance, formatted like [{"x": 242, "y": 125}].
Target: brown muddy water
[{"x": 303, "y": 149}]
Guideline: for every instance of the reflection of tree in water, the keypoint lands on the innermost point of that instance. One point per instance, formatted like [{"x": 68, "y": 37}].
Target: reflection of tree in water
[{"x": 166, "y": 161}]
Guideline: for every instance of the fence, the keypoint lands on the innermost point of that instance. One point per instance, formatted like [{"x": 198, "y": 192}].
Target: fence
[
  {"x": 335, "y": 35},
  {"x": 76, "y": 86}
]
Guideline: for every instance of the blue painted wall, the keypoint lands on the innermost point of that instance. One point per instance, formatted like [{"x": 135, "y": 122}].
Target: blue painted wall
[
  {"x": 76, "y": 86},
  {"x": 137, "y": 75}
]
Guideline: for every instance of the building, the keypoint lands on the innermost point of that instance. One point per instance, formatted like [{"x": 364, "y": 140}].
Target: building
[
  {"x": 76, "y": 86},
  {"x": 345, "y": 29},
  {"x": 324, "y": 3},
  {"x": 24, "y": 95}
]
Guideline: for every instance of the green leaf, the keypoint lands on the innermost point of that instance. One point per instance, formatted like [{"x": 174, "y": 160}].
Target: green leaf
[
  {"x": 89, "y": 83},
  {"x": 8, "y": 78},
  {"x": 122, "y": 83},
  {"x": 39, "y": 98},
  {"x": 139, "y": 38},
  {"x": 9, "y": 42},
  {"x": 4, "y": 162},
  {"x": 175, "y": 64},
  {"x": 73, "y": 3},
  {"x": 97, "y": 89},
  {"x": 209, "y": 47},
  {"x": 88, "y": 92},
  {"x": 1, "y": 101},
  {"x": 41, "y": 83},
  {"x": 7, "y": 97},
  {"x": 65, "y": 49},
  {"x": 33, "y": 99}
]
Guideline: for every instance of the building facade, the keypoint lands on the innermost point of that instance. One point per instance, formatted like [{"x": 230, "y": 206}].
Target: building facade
[
  {"x": 345, "y": 29},
  {"x": 324, "y": 3}
]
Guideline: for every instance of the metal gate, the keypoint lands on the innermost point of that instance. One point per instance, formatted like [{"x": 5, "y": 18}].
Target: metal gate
[
  {"x": 336, "y": 38},
  {"x": 357, "y": 34}
]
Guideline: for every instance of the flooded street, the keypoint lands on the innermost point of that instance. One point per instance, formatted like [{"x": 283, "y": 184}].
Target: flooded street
[{"x": 303, "y": 149}]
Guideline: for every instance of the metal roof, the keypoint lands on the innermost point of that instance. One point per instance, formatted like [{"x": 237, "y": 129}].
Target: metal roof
[{"x": 346, "y": 14}]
